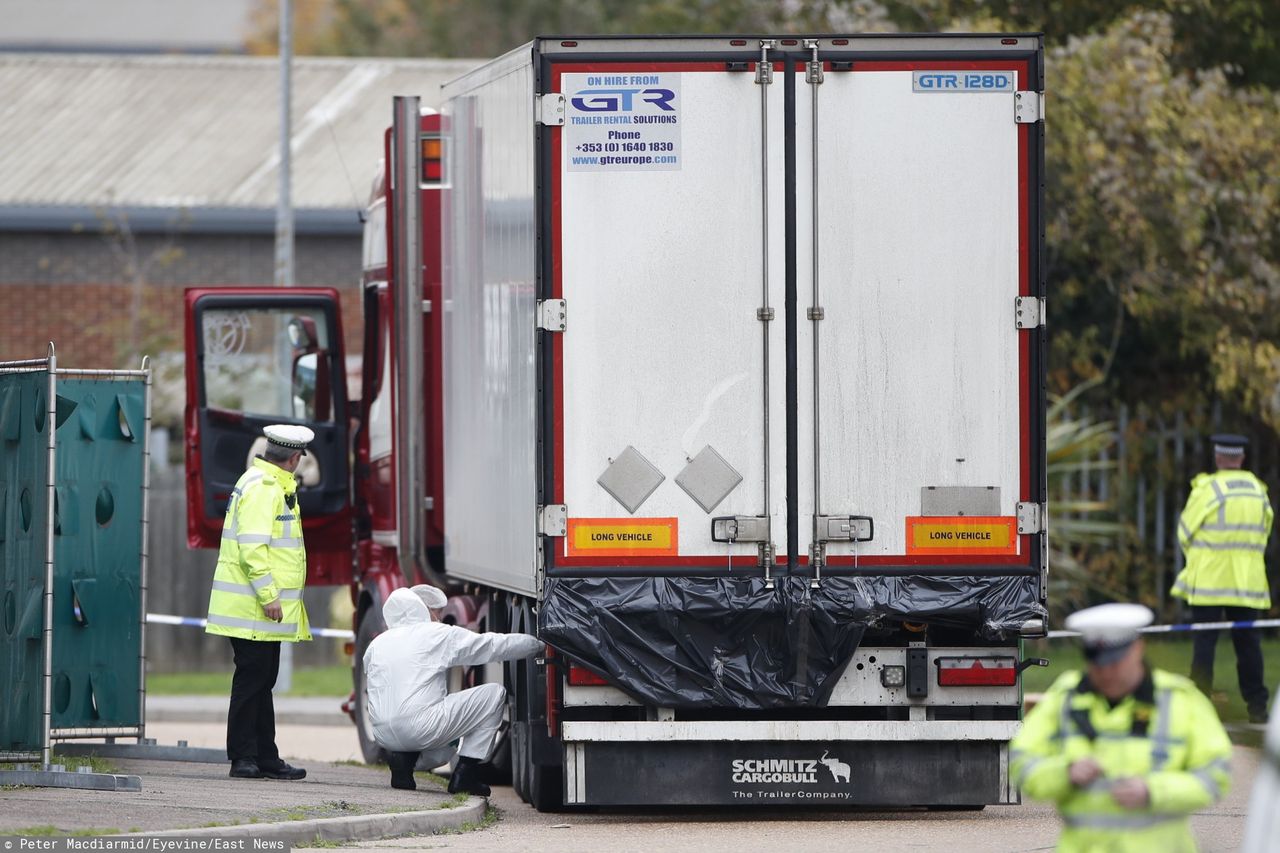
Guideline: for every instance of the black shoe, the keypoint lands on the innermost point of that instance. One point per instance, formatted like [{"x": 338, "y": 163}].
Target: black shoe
[
  {"x": 1258, "y": 716},
  {"x": 280, "y": 770},
  {"x": 466, "y": 778},
  {"x": 402, "y": 764},
  {"x": 245, "y": 768}
]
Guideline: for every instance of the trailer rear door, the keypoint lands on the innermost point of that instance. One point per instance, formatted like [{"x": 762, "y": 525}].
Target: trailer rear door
[
  {"x": 668, "y": 379},
  {"x": 916, "y": 383}
]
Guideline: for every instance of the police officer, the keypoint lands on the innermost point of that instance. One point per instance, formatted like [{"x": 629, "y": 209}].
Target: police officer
[
  {"x": 1223, "y": 533},
  {"x": 256, "y": 599},
  {"x": 1125, "y": 752}
]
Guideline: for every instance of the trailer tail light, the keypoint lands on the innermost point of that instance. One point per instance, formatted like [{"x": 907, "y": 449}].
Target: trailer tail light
[
  {"x": 432, "y": 159},
  {"x": 977, "y": 672},
  {"x": 579, "y": 677}
]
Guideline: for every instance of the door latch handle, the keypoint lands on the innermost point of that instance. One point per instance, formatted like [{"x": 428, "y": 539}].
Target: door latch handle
[
  {"x": 845, "y": 528},
  {"x": 740, "y": 528}
]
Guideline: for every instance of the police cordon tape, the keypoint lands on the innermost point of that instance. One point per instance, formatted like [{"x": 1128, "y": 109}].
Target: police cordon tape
[
  {"x": 193, "y": 622},
  {"x": 1186, "y": 627}
]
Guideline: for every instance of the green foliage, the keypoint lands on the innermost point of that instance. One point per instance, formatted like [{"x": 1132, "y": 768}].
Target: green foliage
[
  {"x": 486, "y": 28},
  {"x": 1163, "y": 205},
  {"x": 1077, "y": 526},
  {"x": 1241, "y": 36}
]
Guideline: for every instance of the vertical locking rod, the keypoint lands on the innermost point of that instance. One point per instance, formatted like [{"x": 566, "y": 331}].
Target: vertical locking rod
[
  {"x": 817, "y": 551},
  {"x": 764, "y": 76}
]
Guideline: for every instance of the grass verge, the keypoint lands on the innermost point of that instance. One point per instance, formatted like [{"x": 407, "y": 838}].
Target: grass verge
[
  {"x": 1172, "y": 655},
  {"x": 47, "y": 830},
  {"x": 308, "y": 681}
]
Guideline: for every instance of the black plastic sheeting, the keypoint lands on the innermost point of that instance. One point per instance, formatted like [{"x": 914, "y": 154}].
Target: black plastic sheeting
[{"x": 688, "y": 642}]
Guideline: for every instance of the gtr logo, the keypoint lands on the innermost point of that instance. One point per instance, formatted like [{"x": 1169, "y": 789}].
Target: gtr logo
[{"x": 621, "y": 100}]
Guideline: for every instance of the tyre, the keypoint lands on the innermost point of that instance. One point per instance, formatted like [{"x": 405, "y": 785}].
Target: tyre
[
  {"x": 539, "y": 785},
  {"x": 370, "y": 627}
]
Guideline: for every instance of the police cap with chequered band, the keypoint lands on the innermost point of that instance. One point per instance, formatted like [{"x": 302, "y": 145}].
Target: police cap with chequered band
[
  {"x": 1108, "y": 630},
  {"x": 1229, "y": 444},
  {"x": 289, "y": 436}
]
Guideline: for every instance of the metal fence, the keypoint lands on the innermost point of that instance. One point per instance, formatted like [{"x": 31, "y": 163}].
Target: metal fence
[{"x": 1146, "y": 476}]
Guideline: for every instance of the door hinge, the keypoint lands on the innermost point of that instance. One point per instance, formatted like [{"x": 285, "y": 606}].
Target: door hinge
[
  {"x": 552, "y": 315},
  {"x": 549, "y": 109},
  {"x": 553, "y": 520},
  {"x": 844, "y": 528},
  {"x": 1028, "y": 107},
  {"x": 1028, "y": 312},
  {"x": 426, "y": 306},
  {"x": 1031, "y": 517}
]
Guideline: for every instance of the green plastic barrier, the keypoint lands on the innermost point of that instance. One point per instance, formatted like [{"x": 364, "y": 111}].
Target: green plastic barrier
[
  {"x": 23, "y": 513},
  {"x": 97, "y": 544},
  {"x": 97, "y": 527}
]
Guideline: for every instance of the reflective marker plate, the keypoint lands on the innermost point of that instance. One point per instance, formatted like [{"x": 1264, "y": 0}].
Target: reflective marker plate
[
  {"x": 960, "y": 534},
  {"x": 623, "y": 537}
]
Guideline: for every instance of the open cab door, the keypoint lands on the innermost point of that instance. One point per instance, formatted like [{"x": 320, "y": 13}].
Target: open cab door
[{"x": 258, "y": 356}]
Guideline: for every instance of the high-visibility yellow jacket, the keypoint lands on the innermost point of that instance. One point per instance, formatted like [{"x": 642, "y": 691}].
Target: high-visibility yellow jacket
[
  {"x": 1223, "y": 532},
  {"x": 1166, "y": 733},
  {"x": 262, "y": 559}
]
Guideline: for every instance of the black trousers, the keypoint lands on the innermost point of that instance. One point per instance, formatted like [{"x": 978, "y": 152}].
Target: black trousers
[
  {"x": 1248, "y": 645},
  {"x": 251, "y": 719}
]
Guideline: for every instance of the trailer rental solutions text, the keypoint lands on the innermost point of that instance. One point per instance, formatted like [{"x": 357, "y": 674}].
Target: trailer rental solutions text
[{"x": 622, "y": 122}]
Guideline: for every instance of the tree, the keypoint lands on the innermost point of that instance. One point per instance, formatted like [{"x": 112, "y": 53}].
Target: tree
[
  {"x": 483, "y": 28},
  {"x": 1240, "y": 36},
  {"x": 1162, "y": 196}
]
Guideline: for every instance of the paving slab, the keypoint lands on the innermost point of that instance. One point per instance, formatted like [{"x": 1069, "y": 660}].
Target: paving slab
[{"x": 335, "y": 802}]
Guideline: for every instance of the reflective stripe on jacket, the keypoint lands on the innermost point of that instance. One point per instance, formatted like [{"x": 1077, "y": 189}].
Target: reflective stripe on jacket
[
  {"x": 1223, "y": 533},
  {"x": 262, "y": 558},
  {"x": 1167, "y": 734}
]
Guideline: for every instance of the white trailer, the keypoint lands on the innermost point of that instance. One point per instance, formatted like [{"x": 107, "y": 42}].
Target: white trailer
[{"x": 744, "y": 409}]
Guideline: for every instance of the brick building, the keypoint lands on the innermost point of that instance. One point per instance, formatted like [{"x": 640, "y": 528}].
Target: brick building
[{"x": 126, "y": 178}]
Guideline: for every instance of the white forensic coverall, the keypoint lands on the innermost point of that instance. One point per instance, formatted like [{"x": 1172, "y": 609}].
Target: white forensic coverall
[{"x": 407, "y": 666}]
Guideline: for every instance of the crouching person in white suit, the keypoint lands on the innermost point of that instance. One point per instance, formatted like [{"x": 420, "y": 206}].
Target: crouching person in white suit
[{"x": 410, "y": 707}]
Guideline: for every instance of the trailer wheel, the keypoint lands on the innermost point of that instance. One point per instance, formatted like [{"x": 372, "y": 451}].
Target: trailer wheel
[
  {"x": 539, "y": 785},
  {"x": 546, "y": 791},
  {"x": 543, "y": 783},
  {"x": 369, "y": 749}
]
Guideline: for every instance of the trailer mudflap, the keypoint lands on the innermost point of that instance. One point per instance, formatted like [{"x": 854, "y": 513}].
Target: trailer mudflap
[
  {"x": 774, "y": 773},
  {"x": 699, "y": 642}
]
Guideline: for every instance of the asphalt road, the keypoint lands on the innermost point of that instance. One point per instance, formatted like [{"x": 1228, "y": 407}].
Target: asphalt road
[{"x": 520, "y": 828}]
